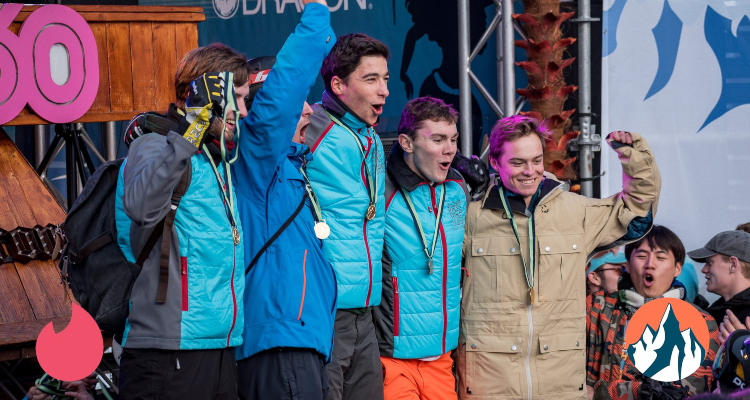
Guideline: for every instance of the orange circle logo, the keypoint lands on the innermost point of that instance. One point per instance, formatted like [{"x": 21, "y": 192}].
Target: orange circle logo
[{"x": 667, "y": 339}]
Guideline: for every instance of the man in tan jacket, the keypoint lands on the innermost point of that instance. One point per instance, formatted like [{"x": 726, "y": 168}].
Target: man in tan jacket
[{"x": 523, "y": 313}]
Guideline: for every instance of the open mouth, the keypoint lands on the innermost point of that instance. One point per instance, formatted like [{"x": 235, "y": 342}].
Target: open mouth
[
  {"x": 445, "y": 165},
  {"x": 302, "y": 131},
  {"x": 377, "y": 109},
  {"x": 648, "y": 279}
]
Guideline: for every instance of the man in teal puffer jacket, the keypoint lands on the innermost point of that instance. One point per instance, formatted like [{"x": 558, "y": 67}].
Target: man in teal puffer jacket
[
  {"x": 417, "y": 319},
  {"x": 348, "y": 173}
]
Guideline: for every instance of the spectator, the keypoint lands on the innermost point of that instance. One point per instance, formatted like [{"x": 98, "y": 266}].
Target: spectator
[
  {"x": 348, "y": 174},
  {"x": 744, "y": 227},
  {"x": 418, "y": 316},
  {"x": 523, "y": 306},
  {"x": 653, "y": 264},
  {"x": 604, "y": 271},
  {"x": 727, "y": 269},
  {"x": 186, "y": 311},
  {"x": 290, "y": 291}
]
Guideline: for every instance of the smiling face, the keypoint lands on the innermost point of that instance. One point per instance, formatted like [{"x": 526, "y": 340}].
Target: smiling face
[
  {"x": 521, "y": 165},
  {"x": 718, "y": 277},
  {"x": 430, "y": 152},
  {"x": 652, "y": 270},
  {"x": 366, "y": 89},
  {"x": 231, "y": 121}
]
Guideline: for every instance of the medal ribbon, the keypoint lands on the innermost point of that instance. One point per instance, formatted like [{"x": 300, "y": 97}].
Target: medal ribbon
[
  {"x": 228, "y": 201},
  {"x": 528, "y": 271},
  {"x": 413, "y": 212},
  {"x": 231, "y": 100},
  {"x": 372, "y": 188},
  {"x": 313, "y": 198}
]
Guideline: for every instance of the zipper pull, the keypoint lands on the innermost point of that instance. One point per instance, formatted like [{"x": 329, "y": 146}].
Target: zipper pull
[{"x": 178, "y": 363}]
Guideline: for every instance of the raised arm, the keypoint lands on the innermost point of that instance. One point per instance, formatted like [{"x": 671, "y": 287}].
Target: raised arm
[
  {"x": 628, "y": 215},
  {"x": 269, "y": 127}
]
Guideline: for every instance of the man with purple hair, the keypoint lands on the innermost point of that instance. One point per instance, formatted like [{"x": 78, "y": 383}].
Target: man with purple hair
[{"x": 523, "y": 312}]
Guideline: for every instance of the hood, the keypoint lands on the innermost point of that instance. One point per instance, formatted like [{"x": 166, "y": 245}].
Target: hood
[
  {"x": 740, "y": 300},
  {"x": 335, "y": 106},
  {"x": 404, "y": 177}
]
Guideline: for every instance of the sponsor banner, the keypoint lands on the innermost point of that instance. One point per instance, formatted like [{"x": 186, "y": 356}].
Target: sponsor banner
[{"x": 678, "y": 73}]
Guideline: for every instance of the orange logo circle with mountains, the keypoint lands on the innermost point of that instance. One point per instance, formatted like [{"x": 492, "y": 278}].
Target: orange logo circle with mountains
[{"x": 667, "y": 339}]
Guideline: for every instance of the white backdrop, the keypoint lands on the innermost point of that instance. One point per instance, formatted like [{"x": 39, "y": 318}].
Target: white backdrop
[{"x": 669, "y": 68}]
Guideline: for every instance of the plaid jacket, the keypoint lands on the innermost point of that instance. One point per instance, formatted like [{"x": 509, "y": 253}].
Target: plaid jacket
[{"x": 606, "y": 318}]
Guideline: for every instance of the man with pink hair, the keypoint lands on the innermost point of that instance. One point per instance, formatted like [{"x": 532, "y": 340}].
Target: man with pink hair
[{"x": 523, "y": 312}]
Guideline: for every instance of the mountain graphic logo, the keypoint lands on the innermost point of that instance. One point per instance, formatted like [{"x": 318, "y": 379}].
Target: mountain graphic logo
[{"x": 667, "y": 338}]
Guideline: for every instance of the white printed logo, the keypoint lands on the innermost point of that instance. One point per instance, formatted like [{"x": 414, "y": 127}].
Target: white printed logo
[
  {"x": 252, "y": 7},
  {"x": 226, "y": 9}
]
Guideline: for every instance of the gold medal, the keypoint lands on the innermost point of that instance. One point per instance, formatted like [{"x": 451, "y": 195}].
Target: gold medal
[
  {"x": 531, "y": 296},
  {"x": 370, "y": 212},
  {"x": 235, "y": 235},
  {"x": 322, "y": 230}
]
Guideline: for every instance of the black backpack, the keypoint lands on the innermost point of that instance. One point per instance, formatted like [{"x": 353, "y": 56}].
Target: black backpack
[{"x": 92, "y": 263}]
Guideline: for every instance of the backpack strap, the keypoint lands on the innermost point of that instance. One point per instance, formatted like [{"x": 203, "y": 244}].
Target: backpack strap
[
  {"x": 277, "y": 234},
  {"x": 166, "y": 241}
]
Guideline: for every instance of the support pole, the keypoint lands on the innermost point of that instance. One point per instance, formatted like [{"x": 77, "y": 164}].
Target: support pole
[
  {"x": 585, "y": 142},
  {"x": 40, "y": 144},
  {"x": 499, "y": 50},
  {"x": 509, "y": 73},
  {"x": 109, "y": 142},
  {"x": 464, "y": 82}
]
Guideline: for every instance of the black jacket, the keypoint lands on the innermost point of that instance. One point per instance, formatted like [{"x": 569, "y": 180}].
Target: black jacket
[{"x": 739, "y": 304}]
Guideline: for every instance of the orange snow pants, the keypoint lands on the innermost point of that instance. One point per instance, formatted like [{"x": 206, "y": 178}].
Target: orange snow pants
[{"x": 419, "y": 380}]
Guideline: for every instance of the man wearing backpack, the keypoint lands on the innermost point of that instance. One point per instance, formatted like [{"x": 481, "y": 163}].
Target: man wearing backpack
[
  {"x": 290, "y": 296},
  {"x": 186, "y": 313}
]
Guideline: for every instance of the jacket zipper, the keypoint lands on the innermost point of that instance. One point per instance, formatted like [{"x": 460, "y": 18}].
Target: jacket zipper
[
  {"x": 433, "y": 198},
  {"x": 183, "y": 262},
  {"x": 364, "y": 226},
  {"x": 395, "y": 305},
  {"x": 304, "y": 286},
  {"x": 234, "y": 298}
]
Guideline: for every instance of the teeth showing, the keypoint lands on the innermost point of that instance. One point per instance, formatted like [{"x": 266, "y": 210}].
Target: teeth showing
[{"x": 527, "y": 182}]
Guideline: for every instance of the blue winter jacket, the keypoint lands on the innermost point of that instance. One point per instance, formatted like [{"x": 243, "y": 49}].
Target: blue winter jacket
[
  {"x": 337, "y": 172},
  {"x": 290, "y": 296},
  {"x": 203, "y": 308},
  {"x": 419, "y": 313}
]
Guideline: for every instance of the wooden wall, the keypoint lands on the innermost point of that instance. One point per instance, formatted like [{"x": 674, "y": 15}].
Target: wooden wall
[{"x": 139, "y": 48}]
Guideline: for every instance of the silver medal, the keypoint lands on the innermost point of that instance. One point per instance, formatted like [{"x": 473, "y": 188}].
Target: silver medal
[{"x": 322, "y": 230}]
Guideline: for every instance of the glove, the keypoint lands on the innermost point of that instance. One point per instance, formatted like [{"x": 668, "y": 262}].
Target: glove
[
  {"x": 206, "y": 100},
  {"x": 655, "y": 390},
  {"x": 475, "y": 173}
]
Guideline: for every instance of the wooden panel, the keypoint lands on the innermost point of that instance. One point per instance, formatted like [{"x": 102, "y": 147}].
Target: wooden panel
[
  {"x": 129, "y": 13},
  {"x": 14, "y": 304},
  {"x": 165, "y": 61},
  {"x": 32, "y": 204},
  {"x": 101, "y": 102},
  {"x": 20, "y": 332},
  {"x": 141, "y": 53},
  {"x": 32, "y": 119},
  {"x": 186, "y": 37},
  {"x": 120, "y": 73}
]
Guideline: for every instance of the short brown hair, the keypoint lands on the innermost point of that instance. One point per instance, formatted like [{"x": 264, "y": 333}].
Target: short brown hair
[
  {"x": 215, "y": 57},
  {"x": 663, "y": 238},
  {"x": 346, "y": 54},
  {"x": 422, "y": 109},
  {"x": 744, "y": 227},
  {"x": 513, "y": 128}
]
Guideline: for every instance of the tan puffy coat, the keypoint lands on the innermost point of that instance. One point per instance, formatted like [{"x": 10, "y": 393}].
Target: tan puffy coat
[{"x": 509, "y": 349}]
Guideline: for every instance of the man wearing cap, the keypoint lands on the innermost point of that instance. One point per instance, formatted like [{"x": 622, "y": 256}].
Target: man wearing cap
[
  {"x": 727, "y": 269},
  {"x": 604, "y": 271},
  {"x": 290, "y": 299}
]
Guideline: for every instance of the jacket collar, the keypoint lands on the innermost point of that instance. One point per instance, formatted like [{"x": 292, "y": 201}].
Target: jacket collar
[
  {"x": 335, "y": 106},
  {"x": 299, "y": 154},
  {"x": 516, "y": 203},
  {"x": 404, "y": 177},
  {"x": 740, "y": 299}
]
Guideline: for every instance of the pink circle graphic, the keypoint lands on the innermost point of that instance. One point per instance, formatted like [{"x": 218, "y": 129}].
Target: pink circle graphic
[{"x": 69, "y": 91}]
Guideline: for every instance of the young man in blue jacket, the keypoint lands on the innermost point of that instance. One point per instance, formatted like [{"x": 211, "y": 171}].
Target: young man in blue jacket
[
  {"x": 186, "y": 312},
  {"x": 348, "y": 174},
  {"x": 290, "y": 296},
  {"x": 417, "y": 319}
]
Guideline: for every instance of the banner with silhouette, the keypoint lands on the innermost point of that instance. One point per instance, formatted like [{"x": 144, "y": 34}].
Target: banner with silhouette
[
  {"x": 679, "y": 73},
  {"x": 421, "y": 34}
]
